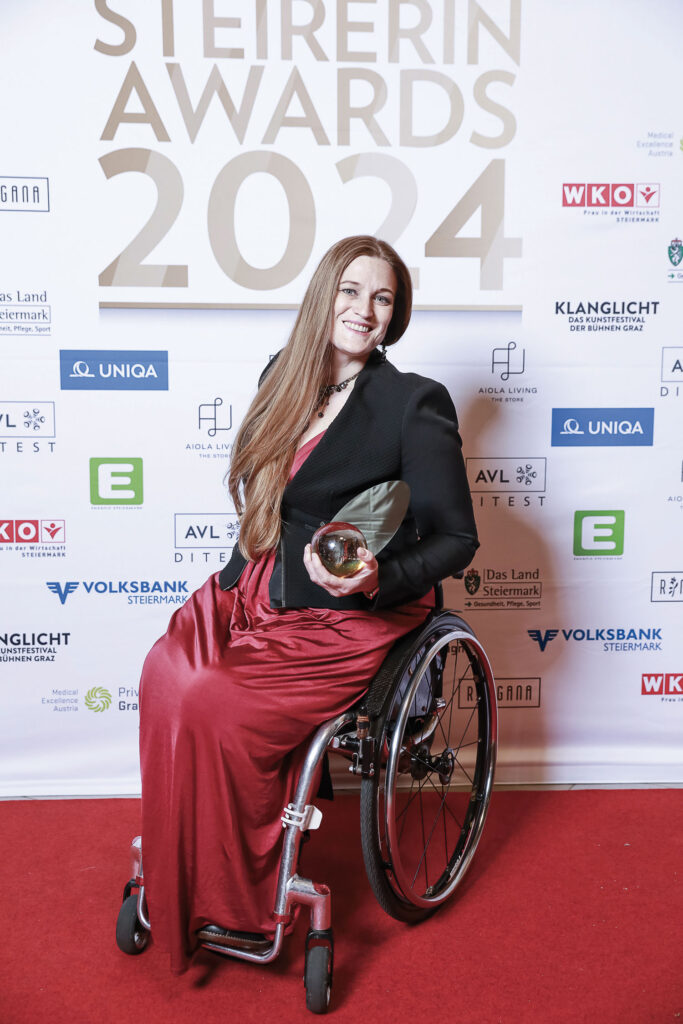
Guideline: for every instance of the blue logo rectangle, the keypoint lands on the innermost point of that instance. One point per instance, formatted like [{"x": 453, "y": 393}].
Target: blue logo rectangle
[
  {"x": 113, "y": 370},
  {"x": 580, "y": 428}
]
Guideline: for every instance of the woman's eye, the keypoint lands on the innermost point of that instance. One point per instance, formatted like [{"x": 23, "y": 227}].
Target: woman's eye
[
  {"x": 383, "y": 299},
  {"x": 349, "y": 291}
]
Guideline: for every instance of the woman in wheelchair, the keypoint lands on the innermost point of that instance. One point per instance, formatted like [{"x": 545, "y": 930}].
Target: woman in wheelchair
[{"x": 274, "y": 645}]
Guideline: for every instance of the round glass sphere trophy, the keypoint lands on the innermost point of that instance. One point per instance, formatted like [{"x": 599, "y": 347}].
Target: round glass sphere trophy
[{"x": 337, "y": 545}]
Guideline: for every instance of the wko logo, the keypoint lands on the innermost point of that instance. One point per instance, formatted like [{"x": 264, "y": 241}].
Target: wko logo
[
  {"x": 621, "y": 195},
  {"x": 599, "y": 532},
  {"x": 581, "y": 428},
  {"x": 110, "y": 370},
  {"x": 664, "y": 684},
  {"x": 32, "y": 531},
  {"x": 116, "y": 481}
]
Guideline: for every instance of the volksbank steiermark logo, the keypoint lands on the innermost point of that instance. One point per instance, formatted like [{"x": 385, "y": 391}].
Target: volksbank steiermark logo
[
  {"x": 97, "y": 699},
  {"x": 116, "y": 481},
  {"x": 603, "y": 427},
  {"x": 599, "y": 532},
  {"x": 112, "y": 370}
]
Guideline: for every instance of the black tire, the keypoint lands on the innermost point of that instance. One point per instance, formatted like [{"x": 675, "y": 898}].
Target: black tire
[
  {"x": 131, "y": 937},
  {"x": 442, "y": 702},
  {"x": 318, "y": 978}
]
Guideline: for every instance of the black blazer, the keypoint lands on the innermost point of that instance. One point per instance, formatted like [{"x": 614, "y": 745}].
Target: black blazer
[{"x": 393, "y": 426}]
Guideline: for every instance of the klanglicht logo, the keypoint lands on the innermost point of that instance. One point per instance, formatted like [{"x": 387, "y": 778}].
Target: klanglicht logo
[
  {"x": 136, "y": 591},
  {"x": 662, "y": 684},
  {"x": 607, "y": 427},
  {"x": 612, "y": 638},
  {"x": 24, "y": 195},
  {"x": 113, "y": 370},
  {"x": 607, "y": 195},
  {"x": 32, "y": 531}
]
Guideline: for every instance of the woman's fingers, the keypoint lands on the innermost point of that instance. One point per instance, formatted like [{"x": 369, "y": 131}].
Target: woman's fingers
[{"x": 364, "y": 580}]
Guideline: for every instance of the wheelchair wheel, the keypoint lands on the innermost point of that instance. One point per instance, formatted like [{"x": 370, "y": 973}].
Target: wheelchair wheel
[
  {"x": 423, "y": 810},
  {"x": 131, "y": 937},
  {"x": 318, "y": 978}
]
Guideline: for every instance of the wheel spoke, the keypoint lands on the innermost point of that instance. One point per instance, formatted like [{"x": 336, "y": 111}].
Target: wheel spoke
[{"x": 426, "y": 845}]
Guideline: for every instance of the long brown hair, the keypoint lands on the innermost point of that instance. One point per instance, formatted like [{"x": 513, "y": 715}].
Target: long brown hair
[{"x": 288, "y": 397}]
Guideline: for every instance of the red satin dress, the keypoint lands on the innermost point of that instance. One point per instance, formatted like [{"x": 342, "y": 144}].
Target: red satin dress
[{"x": 229, "y": 700}]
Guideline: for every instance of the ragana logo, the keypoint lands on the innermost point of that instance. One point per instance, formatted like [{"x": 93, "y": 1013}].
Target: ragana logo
[
  {"x": 97, "y": 699},
  {"x": 62, "y": 592},
  {"x": 544, "y": 638}
]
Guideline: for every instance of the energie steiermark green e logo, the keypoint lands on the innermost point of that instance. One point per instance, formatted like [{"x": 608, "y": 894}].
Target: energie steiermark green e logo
[
  {"x": 116, "y": 481},
  {"x": 599, "y": 532},
  {"x": 97, "y": 699}
]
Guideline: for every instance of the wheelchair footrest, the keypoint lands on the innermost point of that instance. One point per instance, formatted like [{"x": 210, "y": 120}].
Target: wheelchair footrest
[{"x": 309, "y": 818}]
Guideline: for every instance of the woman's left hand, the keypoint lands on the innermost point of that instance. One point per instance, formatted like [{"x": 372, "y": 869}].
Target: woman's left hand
[{"x": 364, "y": 581}]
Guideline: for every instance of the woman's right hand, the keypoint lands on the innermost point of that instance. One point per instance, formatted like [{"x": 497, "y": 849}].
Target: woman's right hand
[{"x": 364, "y": 581}]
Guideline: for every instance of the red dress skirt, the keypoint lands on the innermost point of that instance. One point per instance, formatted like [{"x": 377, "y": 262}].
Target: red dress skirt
[{"x": 229, "y": 700}]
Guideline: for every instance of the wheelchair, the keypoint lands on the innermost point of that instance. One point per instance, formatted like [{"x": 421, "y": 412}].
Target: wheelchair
[{"x": 423, "y": 742}]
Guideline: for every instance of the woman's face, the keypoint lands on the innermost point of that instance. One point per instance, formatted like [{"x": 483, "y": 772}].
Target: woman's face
[{"x": 363, "y": 309}]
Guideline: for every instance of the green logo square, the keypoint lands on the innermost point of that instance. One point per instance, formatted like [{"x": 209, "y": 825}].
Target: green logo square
[
  {"x": 116, "y": 481},
  {"x": 599, "y": 532}
]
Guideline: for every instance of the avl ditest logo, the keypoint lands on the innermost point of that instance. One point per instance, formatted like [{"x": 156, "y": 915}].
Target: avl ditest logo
[
  {"x": 581, "y": 428},
  {"x": 27, "y": 425},
  {"x": 606, "y": 195},
  {"x": 599, "y": 532},
  {"x": 116, "y": 481},
  {"x": 205, "y": 536},
  {"x": 505, "y": 479},
  {"x": 672, "y": 370},
  {"x": 135, "y": 591},
  {"x": 664, "y": 684},
  {"x": 111, "y": 370}
]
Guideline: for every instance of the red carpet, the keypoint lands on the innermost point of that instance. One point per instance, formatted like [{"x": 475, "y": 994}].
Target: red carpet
[{"x": 572, "y": 912}]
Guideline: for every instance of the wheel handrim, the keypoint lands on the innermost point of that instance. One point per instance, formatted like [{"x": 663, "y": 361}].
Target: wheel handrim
[{"x": 432, "y": 828}]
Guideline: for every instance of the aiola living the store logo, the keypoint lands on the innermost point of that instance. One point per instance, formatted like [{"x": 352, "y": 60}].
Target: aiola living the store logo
[{"x": 97, "y": 699}]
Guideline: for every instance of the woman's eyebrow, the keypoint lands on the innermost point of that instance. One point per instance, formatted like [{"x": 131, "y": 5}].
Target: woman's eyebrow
[{"x": 345, "y": 281}]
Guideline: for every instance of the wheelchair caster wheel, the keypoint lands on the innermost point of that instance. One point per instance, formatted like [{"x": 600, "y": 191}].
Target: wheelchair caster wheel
[
  {"x": 318, "y": 974},
  {"x": 131, "y": 937}
]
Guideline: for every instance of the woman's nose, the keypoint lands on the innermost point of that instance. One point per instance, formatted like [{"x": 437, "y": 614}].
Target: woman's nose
[{"x": 363, "y": 305}]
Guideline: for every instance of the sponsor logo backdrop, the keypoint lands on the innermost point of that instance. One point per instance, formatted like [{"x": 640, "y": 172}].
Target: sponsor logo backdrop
[{"x": 165, "y": 201}]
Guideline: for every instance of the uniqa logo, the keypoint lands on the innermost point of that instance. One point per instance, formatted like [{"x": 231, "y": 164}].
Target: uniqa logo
[
  {"x": 82, "y": 369},
  {"x": 571, "y": 426},
  {"x": 97, "y": 699}
]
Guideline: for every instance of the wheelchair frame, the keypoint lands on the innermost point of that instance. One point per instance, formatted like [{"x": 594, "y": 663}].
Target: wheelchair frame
[{"x": 364, "y": 734}]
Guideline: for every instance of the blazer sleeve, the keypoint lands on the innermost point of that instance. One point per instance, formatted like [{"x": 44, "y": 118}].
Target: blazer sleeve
[{"x": 433, "y": 466}]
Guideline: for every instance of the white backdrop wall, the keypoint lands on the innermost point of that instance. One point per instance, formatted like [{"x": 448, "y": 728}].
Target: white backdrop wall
[{"x": 171, "y": 174}]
